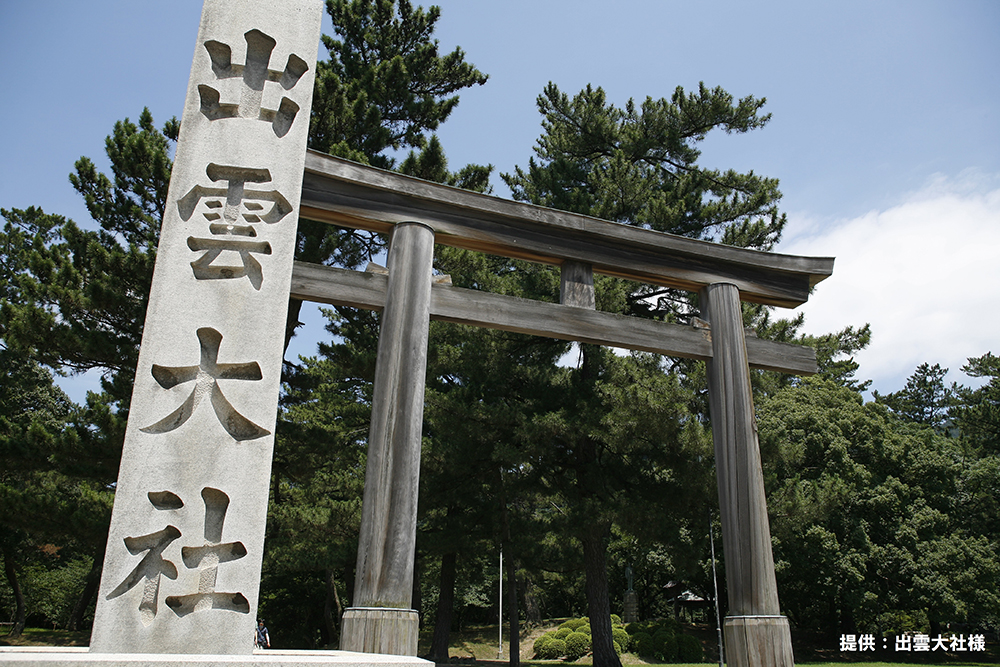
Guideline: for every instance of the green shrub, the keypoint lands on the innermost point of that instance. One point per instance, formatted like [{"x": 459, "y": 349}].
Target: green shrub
[
  {"x": 670, "y": 624},
  {"x": 618, "y": 648},
  {"x": 577, "y": 646},
  {"x": 577, "y": 622},
  {"x": 621, "y": 637},
  {"x": 642, "y": 643},
  {"x": 541, "y": 642},
  {"x": 616, "y": 620},
  {"x": 668, "y": 652},
  {"x": 585, "y": 629},
  {"x": 553, "y": 650},
  {"x": 635, "y": 628},
  {"x": 689, "y": 649},
  {"x": 562, "y": 633}
]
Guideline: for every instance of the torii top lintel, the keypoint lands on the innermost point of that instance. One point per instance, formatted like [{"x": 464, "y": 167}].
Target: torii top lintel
[{"x": 346, "y": 193}]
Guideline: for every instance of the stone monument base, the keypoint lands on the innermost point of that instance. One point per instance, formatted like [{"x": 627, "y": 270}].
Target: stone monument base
[
  {"x": 380, "y": 630},
  {"x": 55, "y": 656},
  {"x": 758, "y": 641},
  {"x": 631, "y": 612}
]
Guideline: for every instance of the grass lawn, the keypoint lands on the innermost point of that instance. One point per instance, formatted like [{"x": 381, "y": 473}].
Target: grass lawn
[
  {"x": 479, "y": 644},
  {"x": 42, "y": 637}
]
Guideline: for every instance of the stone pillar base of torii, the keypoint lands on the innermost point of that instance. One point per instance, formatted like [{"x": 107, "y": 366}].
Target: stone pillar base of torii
[{"x": 57, "y": 656}]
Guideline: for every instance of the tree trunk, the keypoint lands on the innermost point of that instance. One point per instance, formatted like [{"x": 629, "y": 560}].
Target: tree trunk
[
  {"x": 90, "y": 586},
  {"x": 515, "y": 630},
  {"x": 417, "y": 601},
  {"x": 445, "y": 608},
  {"x": 349, "y": 583},
  {"x": 514, "y": 627},
  {"x": 19, "y": 613},
  {"x": 532, "y": 613},
  {"x": 847, "y": 623},
  {"x": 594, "y": 538},
  {"x": 332, "y": 610},
  {"x": 292, "y": 321},
  {"x": 595, "y": 564}
]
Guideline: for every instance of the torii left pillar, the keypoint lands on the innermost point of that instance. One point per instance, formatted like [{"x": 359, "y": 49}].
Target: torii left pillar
[{"x": 380, "y": 620}]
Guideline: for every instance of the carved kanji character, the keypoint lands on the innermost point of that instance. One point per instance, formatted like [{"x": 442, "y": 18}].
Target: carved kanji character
[
  {"x": 206, "y": 376},
  {"x": 255, "y": 74},
  {"x": 231, "y": 211},
  {"x": 152, "y": 565},
  {"x": 207, "y": 559}
]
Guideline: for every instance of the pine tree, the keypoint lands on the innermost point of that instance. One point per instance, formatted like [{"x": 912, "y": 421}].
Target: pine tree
[
  {"x": 924, "y": 400},
  {"x": 637, "y": 165},
  {"x": 74, "y": 299},
  {"x": 385, "y": 86}
]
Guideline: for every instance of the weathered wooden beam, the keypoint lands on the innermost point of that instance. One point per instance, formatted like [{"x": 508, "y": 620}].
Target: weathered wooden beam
[
  {"x": 756, "y": 633},
  {"x": 380, "y": 620},
  {"x": 354, "y": 195},
  {"x": 322, "y": 284}
]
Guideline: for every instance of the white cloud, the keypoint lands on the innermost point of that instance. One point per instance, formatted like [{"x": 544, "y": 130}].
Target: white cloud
[{"x": 924, "y": 273}]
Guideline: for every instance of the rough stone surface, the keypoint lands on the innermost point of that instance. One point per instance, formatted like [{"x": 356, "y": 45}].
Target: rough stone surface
[
  {"x": 182, "y": 569},
  {"x": 52, "y": 656},
  {"x": 631, "y": 611}
]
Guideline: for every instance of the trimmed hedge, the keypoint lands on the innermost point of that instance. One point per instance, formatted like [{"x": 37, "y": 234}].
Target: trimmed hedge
[
  {"x": 642, "y": 643},
  {"x": 669, "y": 651},
  {"x": 577, "y": 645},
  {"x": 540, "y": 643},
  {"x": 689, "y": 649},
  {"x": 553, "y": 650}
]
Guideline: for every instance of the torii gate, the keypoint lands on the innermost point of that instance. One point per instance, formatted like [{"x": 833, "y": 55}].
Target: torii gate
[
  {"x": 182, "y": 568},
  {"x": 418, "y": 214}
]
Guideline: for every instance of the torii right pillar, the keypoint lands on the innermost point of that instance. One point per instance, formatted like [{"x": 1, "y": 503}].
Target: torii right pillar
[{"x": 756, "y": 633}]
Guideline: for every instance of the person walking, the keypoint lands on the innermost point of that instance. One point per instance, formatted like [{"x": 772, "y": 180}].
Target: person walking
[{"x": 261, "y": 638}]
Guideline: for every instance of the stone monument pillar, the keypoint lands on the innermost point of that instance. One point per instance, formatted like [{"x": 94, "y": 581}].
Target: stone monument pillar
[
  {"x": 756, "y": 634},
  {"x": 630, "y": 614},
  {"x": 380, "y": 620},
  {"x": 182, "y": 569}
]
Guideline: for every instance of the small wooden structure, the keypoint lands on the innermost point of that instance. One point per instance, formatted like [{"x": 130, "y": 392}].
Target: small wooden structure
[{"x": 418, "y": 214}]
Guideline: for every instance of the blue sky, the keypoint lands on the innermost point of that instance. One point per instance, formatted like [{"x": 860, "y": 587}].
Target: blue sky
[{"x": 885, "y": 132}]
